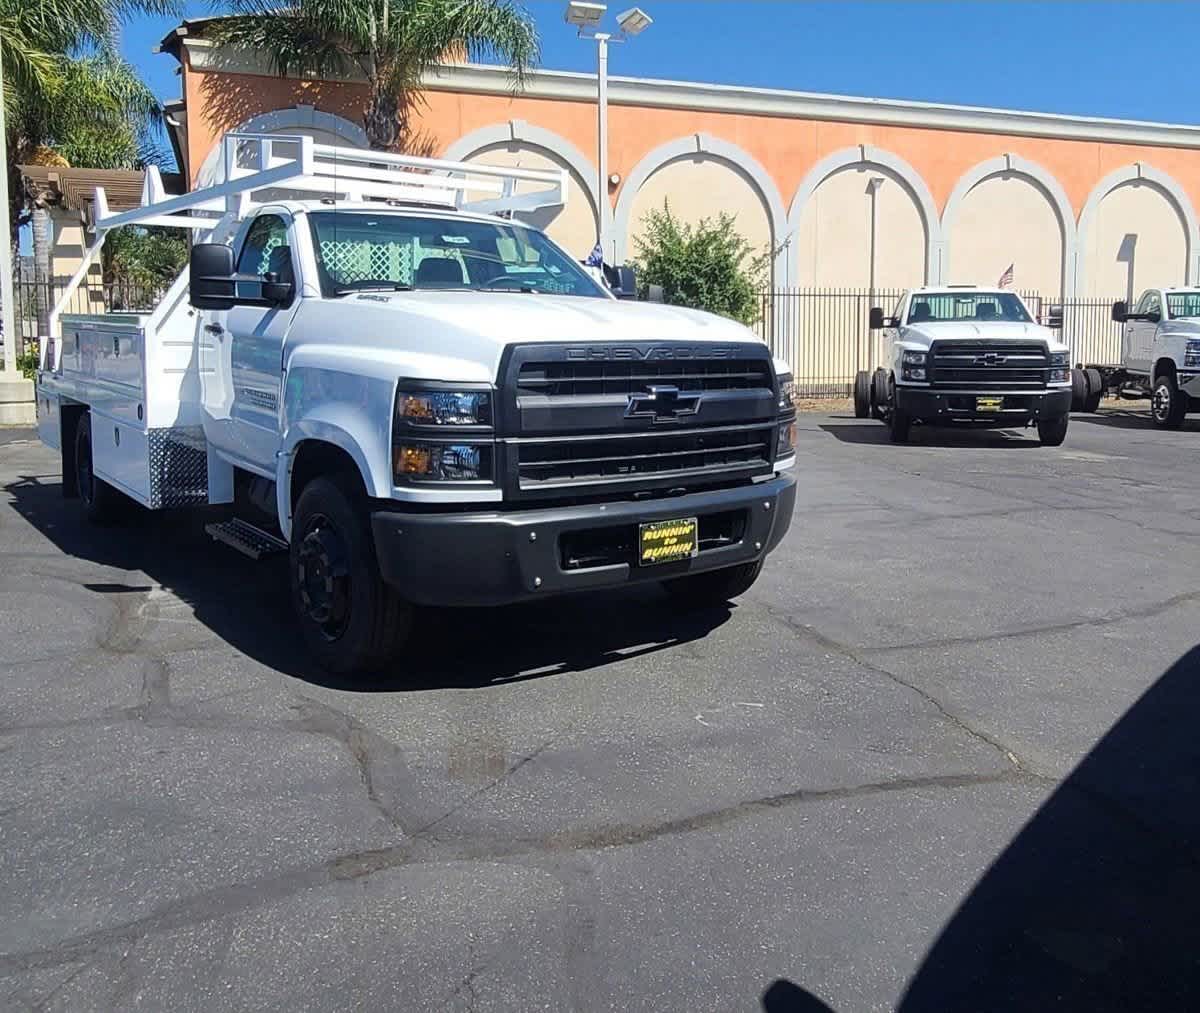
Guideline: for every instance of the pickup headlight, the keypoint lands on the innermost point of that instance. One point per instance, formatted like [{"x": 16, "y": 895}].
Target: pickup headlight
[
  {"x": 442, "y": 436},
  {"x": 1060, "y": 367},
  {"x": 785, "y": 445},
  {"x": 1191, "y": 355},
  {"x": 787, "y": 393},
  {"x": 912, "y": 366}
]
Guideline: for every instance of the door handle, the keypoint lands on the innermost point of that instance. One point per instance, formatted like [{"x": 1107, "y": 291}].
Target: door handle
[{"x": 214, "y": 329}]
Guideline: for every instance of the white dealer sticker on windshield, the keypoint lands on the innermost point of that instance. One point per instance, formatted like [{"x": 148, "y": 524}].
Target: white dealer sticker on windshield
[{"x": 459, "y": 240}]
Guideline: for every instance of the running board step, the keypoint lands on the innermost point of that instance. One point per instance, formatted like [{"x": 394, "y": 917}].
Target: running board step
[{"x": 246, "y": 538}]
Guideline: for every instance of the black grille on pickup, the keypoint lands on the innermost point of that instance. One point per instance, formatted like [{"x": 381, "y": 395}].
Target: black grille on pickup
[
  {"x": 638, "y": 418},
  {"x": 573, "y": 378},
  {"x": 609, "y": 459},
  {"x": 980, "y": 366}
]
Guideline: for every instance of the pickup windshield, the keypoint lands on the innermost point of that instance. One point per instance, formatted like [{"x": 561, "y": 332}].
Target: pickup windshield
[
  {"x": 943, "y": 307},
  {"x": 360, "y": 250},
  {"x": 1182, "y": 305}
]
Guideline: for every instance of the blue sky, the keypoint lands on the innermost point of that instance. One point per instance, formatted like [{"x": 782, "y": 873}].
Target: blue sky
[{"x": 1122, "y": 59}]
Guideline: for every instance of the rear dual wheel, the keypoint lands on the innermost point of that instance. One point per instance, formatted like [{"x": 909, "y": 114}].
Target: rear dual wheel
[
  {"x": 862, "y": 395},
  {"x": 102, "y": 504}
]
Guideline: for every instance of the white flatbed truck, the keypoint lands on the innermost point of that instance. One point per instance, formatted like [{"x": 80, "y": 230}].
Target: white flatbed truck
[{"x": 421, "y": 400}]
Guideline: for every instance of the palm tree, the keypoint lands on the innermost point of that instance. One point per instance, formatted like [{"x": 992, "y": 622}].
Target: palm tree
[{"x": 392, "y": 43}]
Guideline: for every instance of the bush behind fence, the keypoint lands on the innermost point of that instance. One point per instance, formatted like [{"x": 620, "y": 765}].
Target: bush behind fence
[{"x": 824, "y": 333}]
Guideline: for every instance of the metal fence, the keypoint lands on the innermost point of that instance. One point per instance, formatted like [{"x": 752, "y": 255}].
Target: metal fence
[
  {"x": 34, "y": 297},
  {"x": 825, "y": 336}
]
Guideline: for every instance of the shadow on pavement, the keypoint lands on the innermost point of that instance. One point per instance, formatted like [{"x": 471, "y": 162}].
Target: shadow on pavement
[
  {"x": 1117, "y": 419},
  {"x": 1093, "y": 906},
  {"x": 246, "y": 604},
  {"x": 937, "y": 436}
]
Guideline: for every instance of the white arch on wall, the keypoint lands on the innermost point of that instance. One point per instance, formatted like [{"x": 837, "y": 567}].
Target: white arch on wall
[
  {"x": 713, "y": 147},
  {"x": 1015, "y": 165},
  {"x": 282, "y": 120},
  {"x": 535, "y": 137},
  {"x": 868, "y": 156},
  {"x": 1140, "y": 173}
]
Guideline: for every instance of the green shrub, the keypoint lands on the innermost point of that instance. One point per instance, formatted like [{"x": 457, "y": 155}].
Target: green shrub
[
  {"x": 708, "y": 266},
  {"x": 27, "y": 361}
]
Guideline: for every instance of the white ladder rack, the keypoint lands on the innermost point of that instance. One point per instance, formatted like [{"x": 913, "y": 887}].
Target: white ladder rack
[{"x": 254, "y": 163}]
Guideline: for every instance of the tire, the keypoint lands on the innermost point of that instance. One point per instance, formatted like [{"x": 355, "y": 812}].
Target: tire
[
  {"x": 102, "y": 504},
  {"x": 899, "y": 424},
  {"x": 1052, "y": 432},
  {"x": 714, "y": 587},
  {"x": 1168, "y": 405},
  {"x": 879, "y": 395},
  {"x": 862, "y": 395},
  {"x": 1095, "y": 386},
  {"x": 1079, "y": 390},
  {"x": 350, "y": 619}
]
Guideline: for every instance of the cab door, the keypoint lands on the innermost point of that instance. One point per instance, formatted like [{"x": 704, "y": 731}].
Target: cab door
[
  {"x": 1139, "y": 333},
  {"x": 256, "y": 329}
]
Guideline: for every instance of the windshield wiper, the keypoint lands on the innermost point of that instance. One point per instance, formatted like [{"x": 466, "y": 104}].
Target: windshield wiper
[
  {"x": 523, "y": 289},
  {"x": 382, "y": 286}
]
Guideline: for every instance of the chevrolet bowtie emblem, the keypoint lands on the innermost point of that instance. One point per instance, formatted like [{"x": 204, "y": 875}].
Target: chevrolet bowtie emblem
[
  {"x": 662, "y": 404},
  {"x": 990, "y": 359}
]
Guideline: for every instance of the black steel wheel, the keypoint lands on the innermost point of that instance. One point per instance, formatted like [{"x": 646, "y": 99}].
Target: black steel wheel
[
  {"x": 879, "y": 395},
  {"x": 1168, "y": 404},
  {"x": 1079, "y": 390},
  {"x": 350, "y": 619},
  {"x": 102, "y": 504},
  {"x": 899, "y": 425}
]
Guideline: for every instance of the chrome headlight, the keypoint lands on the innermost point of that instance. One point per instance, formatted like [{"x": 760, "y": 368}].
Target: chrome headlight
[
  {"x": 1191, "y": 355},
  {"x": 912, "y": 366},
  {"x": 442, "y": 435},
  {"x": 1060, "y": 367}
]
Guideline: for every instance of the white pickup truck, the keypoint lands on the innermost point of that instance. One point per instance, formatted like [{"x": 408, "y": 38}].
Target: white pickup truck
[
  {"x": 421, "y": 402},
  {"x": 1160, "y": 357},
  {"x": 963, "y": 355}
]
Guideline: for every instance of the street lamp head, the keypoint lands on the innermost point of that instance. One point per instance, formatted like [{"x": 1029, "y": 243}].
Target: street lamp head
[
  {"x": 634, "y": 21},
  {"x": 584, "y": 15}
]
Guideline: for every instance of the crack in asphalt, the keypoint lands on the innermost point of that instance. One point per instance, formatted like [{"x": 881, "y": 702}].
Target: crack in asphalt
[
  {"x": 235, "y": 899},
  {"x": 856, "y": 655}
]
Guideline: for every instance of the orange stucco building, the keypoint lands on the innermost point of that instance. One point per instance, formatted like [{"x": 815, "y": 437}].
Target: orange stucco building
[{"x": 840, "y": 191}]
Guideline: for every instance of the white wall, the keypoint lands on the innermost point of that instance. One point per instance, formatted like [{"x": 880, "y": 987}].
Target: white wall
[{"x": 1136, "y": 240}]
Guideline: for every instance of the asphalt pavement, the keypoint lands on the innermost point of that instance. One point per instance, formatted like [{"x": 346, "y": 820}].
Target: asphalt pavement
[{"x": 942, "y": 756}]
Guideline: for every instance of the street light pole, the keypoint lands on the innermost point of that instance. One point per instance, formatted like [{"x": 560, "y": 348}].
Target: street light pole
[
  {"x": 8, "y": 315},
  {"x": 605, "y": 210}
]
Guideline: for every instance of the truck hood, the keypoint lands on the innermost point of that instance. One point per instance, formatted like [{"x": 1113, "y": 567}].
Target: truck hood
[{"x": 968, "y": 330}]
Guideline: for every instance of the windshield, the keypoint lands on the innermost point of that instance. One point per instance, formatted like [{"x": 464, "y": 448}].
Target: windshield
[
  {"x": 1183, "y": 304},
  {"x": 359, "y": 251},
  {"x": 942, "y": 307}
]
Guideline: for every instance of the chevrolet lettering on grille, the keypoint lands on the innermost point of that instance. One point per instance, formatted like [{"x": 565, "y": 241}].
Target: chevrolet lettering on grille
[
  {"x": 662, "y": 404},
  {"x": 601, "y": 353}
]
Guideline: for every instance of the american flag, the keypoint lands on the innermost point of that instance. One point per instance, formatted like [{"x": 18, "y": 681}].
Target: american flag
[
  {"x": 596, "y": 257},
  {"x": 1006, "y": 278}
]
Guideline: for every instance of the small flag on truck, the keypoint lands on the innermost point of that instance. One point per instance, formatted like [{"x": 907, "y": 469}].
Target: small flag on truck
[{"x": 1006, "y": 278}]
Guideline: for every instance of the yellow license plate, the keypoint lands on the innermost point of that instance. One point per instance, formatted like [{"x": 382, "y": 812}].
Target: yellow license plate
[
  {"x": 989, "y": 404},
  {"x": 667, "y": 541}
]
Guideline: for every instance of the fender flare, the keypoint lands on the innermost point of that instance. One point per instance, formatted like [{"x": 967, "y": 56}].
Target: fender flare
[{"x": 317, "y": 429}]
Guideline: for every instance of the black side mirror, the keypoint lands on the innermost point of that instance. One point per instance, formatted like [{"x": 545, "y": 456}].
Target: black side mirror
[
  {"x": 211, "y": 284},
  {"x": 1054, "y": 317},
  {"x": 1120, "y": 311},
  {"x": 276, "y": 292},
  {"x": 877, "y": 318},
  {"x": 1152, "y": 317},
  {"x": 623, "y": 281}
]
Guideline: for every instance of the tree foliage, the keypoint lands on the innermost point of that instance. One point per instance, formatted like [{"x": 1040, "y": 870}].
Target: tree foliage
[
  {"x": 708, "y": 266},
  {"x": 67, "y": 90},
  {"x": 392, "y": 43},
  {"x": 143, "y": 262}
]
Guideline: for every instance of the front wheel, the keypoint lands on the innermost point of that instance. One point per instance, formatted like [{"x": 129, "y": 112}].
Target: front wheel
[
  {"x": 1053, "y": 431},
  {"x": 899, "y": 424},
  {"x": 1168, "y": 404},
  {"x": 350, "y": 619},
  {"x": 714, "y": 587}
]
